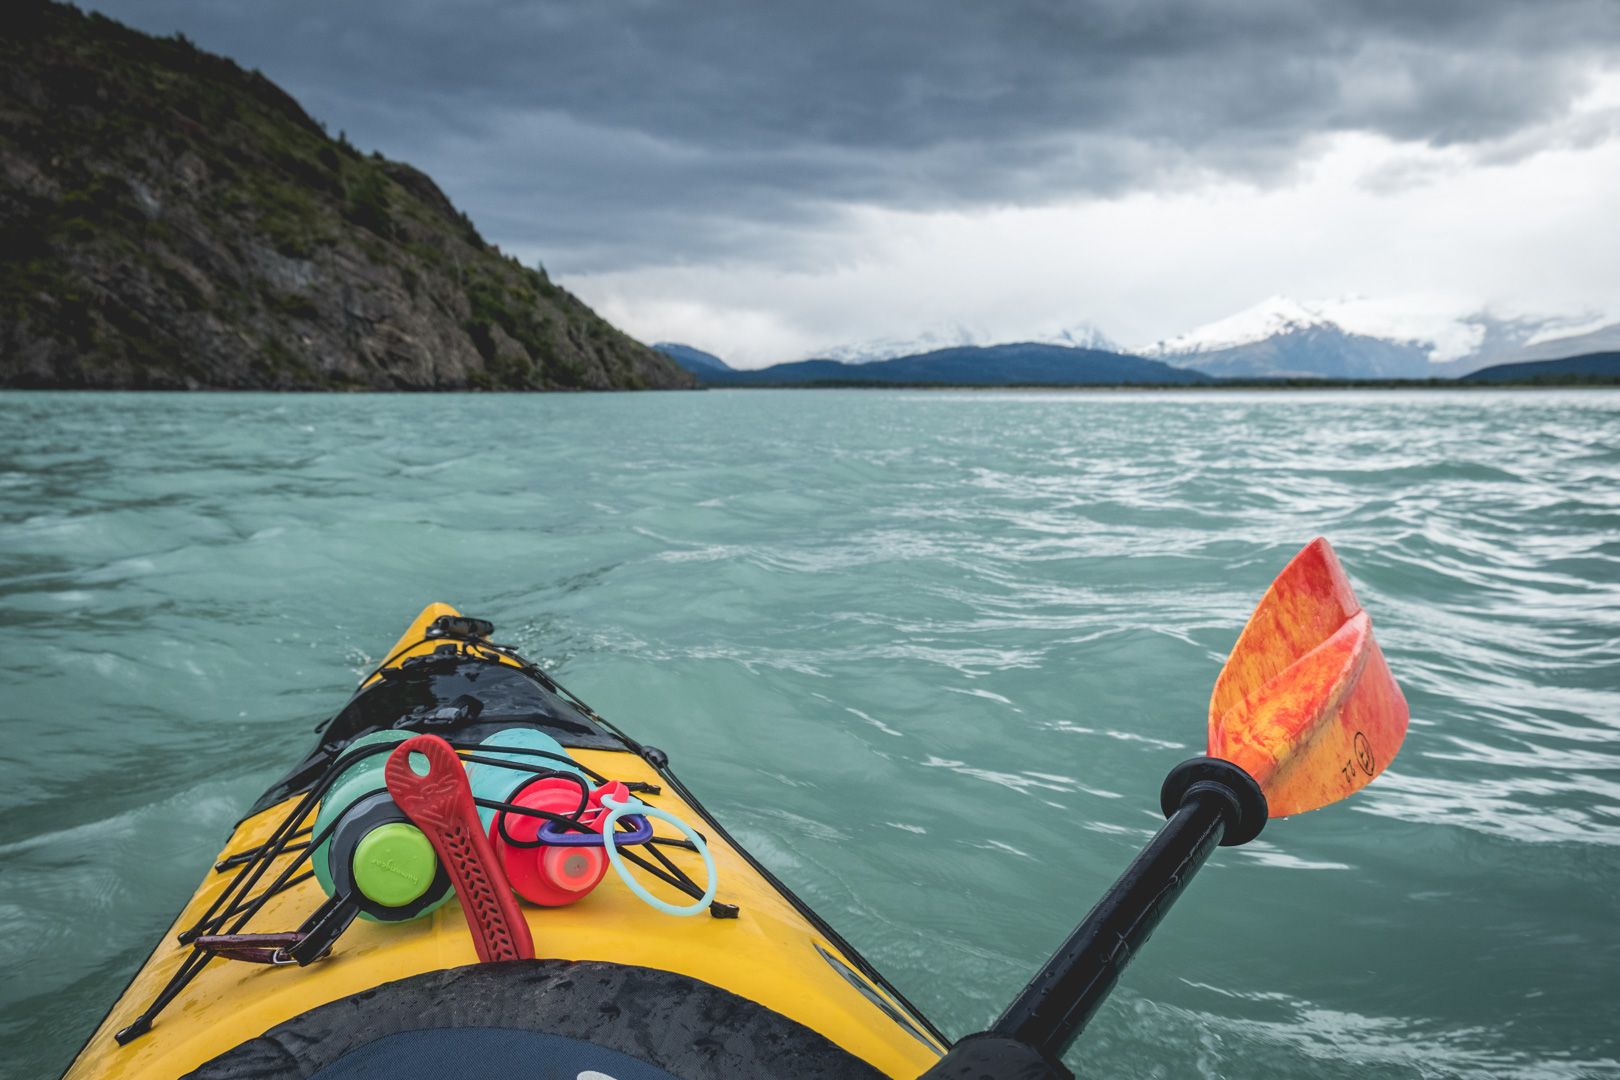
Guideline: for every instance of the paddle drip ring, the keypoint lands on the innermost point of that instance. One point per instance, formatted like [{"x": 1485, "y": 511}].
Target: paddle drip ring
[{"x": 632, "y": 805}]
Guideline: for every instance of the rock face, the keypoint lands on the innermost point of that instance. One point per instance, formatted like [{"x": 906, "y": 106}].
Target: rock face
[{"x": 170, "y": 221}]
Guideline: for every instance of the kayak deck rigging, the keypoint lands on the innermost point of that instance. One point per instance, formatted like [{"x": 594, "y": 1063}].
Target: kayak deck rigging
[{"x": 238, "y": 902}]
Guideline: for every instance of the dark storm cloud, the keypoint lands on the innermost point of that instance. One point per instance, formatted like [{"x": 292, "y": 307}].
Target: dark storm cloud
[{"x": 611, "y": 135}]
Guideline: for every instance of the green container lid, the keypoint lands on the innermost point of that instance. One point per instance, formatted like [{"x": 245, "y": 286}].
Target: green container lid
[{"x": 394, "y": 864}]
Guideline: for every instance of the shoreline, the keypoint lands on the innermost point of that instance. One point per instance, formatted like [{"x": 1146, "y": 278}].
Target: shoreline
[
  {"x": 1269, "y": 385},
  {"x": 1272, "y": 386}
]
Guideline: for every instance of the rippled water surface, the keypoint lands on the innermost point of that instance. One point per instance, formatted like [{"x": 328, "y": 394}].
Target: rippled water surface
[{"x": 928, "y": 654}]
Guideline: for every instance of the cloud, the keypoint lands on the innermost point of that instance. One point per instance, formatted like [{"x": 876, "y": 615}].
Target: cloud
[
  {"x": 611, "y": 137},
  {"x": 1509, "y": 246}
]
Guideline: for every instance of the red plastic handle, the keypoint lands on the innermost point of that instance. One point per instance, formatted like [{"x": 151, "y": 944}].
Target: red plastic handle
[{"x": 441, "y": 805}]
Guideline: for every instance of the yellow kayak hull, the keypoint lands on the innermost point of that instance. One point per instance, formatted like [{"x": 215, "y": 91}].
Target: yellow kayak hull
[{"x": 772, "y": 954}]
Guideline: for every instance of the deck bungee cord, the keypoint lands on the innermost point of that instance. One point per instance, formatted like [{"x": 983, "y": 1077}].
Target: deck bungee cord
[{"x": 608, "y": 819}]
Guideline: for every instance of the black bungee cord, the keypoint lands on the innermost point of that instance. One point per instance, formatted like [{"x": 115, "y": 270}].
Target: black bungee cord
[{"x": 238, "y": 902}]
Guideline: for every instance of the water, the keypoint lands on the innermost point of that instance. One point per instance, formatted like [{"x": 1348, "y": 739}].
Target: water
[{"x": 928, "y": 654}]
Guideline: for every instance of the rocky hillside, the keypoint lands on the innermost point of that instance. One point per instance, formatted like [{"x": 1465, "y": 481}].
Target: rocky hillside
[{"x": 169, "y": 221}]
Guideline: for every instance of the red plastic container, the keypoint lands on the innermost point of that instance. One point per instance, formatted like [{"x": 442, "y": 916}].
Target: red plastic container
[{"x": 550, "y": 876}]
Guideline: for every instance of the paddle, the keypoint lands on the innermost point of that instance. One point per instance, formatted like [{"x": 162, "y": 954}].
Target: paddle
[
  {"x": 1306, "y": 704},
  {"x": 1304, "y": 713}
]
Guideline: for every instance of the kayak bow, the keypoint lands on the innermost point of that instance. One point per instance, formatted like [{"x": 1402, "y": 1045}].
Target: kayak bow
[{"x": 755, "y": 984}]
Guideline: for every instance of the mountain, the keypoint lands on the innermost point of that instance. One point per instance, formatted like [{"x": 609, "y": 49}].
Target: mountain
[
  {"x": 1603, "y": 339},
  {"x": 1024, "y": 364},
  {"x": 1079, "y": 336},
  {"x": 696, "y": 361},
  {"x": 170, "y": 221},
  {"x": 1591, "y": 368},
  {"x": 1366, "y": 338},
  {"x": 1518, "y": 339},
  {"x": 1272, "y": 316},
  {"x": 1314, "y": 352},
  {"x": 1282, "y": 338}
]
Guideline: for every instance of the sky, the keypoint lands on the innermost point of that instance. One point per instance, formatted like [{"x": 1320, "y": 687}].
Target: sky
[{"x": 768, "y": 180}]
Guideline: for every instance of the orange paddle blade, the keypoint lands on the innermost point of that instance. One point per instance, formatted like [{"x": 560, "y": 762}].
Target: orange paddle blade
[{"x": 1306, "y": 704}]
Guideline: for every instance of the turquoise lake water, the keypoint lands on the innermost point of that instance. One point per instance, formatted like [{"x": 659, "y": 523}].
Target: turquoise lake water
[{"x": 928, "y": 654}]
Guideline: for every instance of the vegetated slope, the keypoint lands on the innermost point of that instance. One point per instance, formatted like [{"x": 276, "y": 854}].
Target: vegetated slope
[
  {"x": 1591, "y": 368},
  {"x": 992, "y": 365},
  {"x": 168, "y": 220}
]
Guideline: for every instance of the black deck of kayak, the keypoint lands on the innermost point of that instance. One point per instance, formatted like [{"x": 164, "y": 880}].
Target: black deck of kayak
[{"x": 452, "y": 695}]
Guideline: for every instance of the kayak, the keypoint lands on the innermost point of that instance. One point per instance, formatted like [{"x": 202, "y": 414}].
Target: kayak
[
  {"x": 614, "y": 986},
  {"x": 473, "y": 874}
]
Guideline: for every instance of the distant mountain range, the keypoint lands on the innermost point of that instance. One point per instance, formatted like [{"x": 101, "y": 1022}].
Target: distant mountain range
[
  {"x": 1079, "y": 336},
  {"x": 1030, "y": 364},
  {"x": 1312, "y": 352},
  {"x": 696, "y": 361},
  {"x": 1283, "y": 338},
  {"x": 1278, "y": 338},
  {"x": 1021, "y": 364},
  {"x": 1605, "y": 339}
]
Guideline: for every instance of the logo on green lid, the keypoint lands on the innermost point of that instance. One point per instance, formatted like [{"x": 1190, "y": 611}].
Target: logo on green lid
[{"x": 390, "y": 866}]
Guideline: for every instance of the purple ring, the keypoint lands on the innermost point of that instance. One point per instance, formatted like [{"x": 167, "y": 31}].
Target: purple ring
[{"x": 640, "y": 833}]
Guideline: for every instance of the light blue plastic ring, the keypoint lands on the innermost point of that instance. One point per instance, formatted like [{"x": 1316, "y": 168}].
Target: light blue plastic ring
[{"x": 616, "y": 808}]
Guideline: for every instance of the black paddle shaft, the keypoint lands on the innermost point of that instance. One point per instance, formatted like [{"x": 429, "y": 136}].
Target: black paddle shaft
[{"x": 1209, "y": 802}]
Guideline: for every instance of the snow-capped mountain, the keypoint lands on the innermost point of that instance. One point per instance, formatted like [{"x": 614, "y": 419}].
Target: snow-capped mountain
[
  {"x": 1272, "y": 316},
  {"x": 1082, "y": 335},
  {"x": 866, "y": 352},
  {"x": 1283, "y": 338},
  {"x": 1361, "y": 337},
  {"x": 1545, "y": 346},
  {"x": 1347, "y": 337}
]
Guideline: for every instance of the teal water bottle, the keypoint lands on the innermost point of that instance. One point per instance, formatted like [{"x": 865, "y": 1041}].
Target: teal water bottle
[
  {"x": 374, "y": 854},
  {"x": 542, "y": 874},
  {"x": 499, "y": 784}
]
